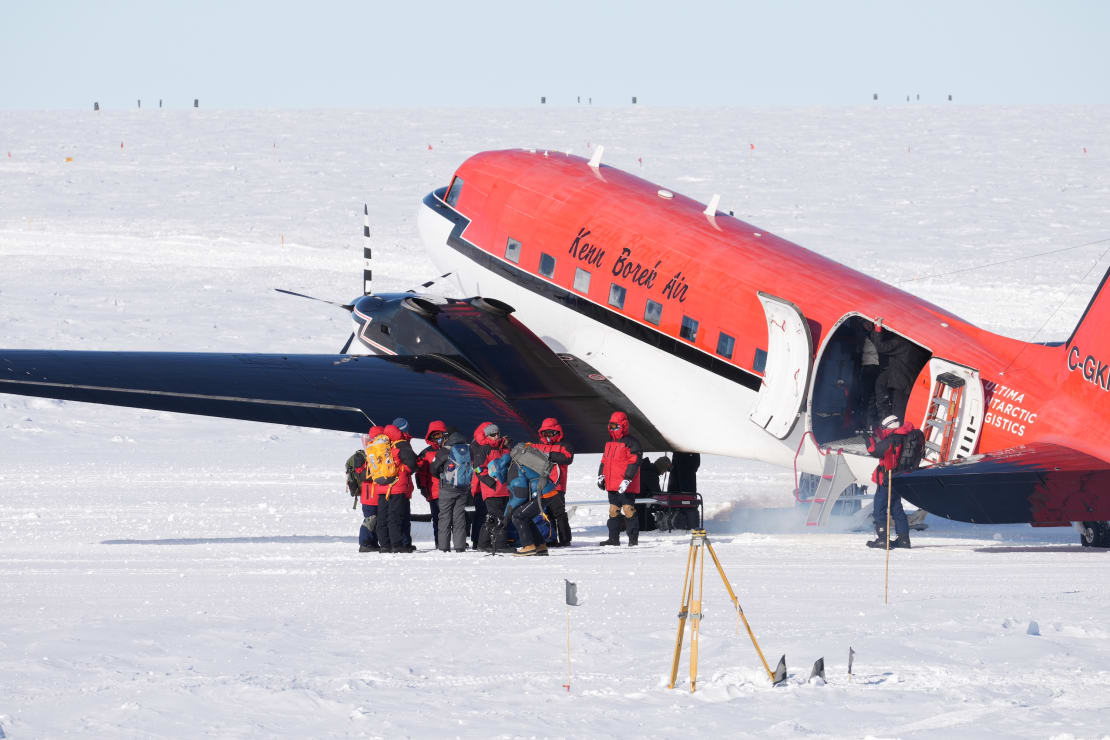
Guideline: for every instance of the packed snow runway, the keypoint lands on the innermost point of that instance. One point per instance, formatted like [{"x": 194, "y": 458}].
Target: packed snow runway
[{"x": 165, "y": 575}]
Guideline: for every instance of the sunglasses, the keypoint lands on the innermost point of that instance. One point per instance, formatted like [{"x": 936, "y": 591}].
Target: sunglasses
[
  {"x": 437, "y": 435},
  {"x": 614, "y": 426},
  {"x": 494, "y": 434},
  {"x": 548, "y": 433}
]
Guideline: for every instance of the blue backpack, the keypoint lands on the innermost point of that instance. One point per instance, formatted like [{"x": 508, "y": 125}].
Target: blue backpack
[{"x": 458, "y": 471}]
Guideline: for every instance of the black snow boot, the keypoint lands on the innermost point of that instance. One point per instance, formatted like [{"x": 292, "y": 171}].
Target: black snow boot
[
  {"x": 880, "y": 540},
  {"x": 614, "y": 524},
  {"x": 903, "y": 540}
]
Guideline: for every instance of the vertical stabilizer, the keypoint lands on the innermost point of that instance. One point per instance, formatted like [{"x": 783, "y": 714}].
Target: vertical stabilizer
[{"x": 1088, "y": 347}]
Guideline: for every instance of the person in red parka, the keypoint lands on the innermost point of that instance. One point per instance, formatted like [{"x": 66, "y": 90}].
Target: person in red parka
[
  {"x": 488, "y": 445},
  {"x": 555, "y": 501},
  {"x": 425, "y": 481},
  {"x": 393, "y": 493},
  {"x": 368, "y": 498},
  {"x": 886, "y": 444},
  {"x": 619, "y": 475}
]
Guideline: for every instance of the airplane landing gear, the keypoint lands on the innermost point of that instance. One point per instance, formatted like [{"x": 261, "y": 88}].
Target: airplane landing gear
[{"x": 1095, "y": 534}]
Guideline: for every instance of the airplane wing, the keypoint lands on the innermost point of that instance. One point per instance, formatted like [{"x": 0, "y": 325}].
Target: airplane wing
[
  {"x": 1033, "y": 483},
  {"x": 341, "y": 392}
]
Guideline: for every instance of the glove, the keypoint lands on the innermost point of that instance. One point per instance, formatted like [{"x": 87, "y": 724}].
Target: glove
[
  {"x": 624, "y": 485},
  {"x": 601, "y": 482}
]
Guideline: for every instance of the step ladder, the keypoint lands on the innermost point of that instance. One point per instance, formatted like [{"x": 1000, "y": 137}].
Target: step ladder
[{"x": 943, "y": 417}]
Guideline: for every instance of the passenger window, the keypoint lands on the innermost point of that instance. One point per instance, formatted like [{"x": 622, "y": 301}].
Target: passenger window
[
  {"x": 725, "y": 345},
  {"x": 760, "y": 362},
  {"x": 653, "y": 312},
  {"x": 547, "y": 265},
  {"x": 512, "y": 250},
  {"x": 689, "y": 330},
  {"x": 582, "y": 280},
  {"x": 453, "y": 193},
  {"x": 616, "y": 295}
]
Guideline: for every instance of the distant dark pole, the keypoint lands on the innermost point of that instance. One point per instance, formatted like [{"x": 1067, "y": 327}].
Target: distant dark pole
[
  {"x": 591, "y": 101},
  {"x": 140, "y": 102},
  {"x": 159, "y": 102},
  {"x": 196, "y": 102},
  {"x": 633, "y": 100},
  {"x": 919, "y": 96},
  {"x": 876, "y": 97},
  {"x": 949, "y": 98},
  {"x": 579, "y": 98},
  {"x": 907, "y": 98},
  {"x": 96, "y": 106}
]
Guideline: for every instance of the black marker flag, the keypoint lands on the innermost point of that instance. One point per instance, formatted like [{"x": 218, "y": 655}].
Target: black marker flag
[
  {"x": 572, "y": 593},
  {"x": 851, "y": 657}
]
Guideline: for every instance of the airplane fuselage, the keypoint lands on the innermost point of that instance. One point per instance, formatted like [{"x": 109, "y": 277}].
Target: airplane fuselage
[{"x": 664, "y": 299}]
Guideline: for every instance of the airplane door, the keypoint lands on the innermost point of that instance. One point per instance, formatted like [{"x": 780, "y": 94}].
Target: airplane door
[
  {"x": 786, "y": 374},
  {"x": 966, "y": 416}
]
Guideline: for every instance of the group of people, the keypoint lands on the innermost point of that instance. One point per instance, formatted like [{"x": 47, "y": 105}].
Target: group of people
[{"x": 512, "y": 487}]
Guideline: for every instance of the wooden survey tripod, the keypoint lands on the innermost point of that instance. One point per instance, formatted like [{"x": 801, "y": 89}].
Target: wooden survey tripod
[{"x": 691, "y": 608}]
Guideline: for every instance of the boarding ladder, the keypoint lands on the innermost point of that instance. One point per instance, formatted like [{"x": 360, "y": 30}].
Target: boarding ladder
[{"x": 943, "y": 417}]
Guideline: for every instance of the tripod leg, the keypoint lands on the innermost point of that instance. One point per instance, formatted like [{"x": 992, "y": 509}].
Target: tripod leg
[
  {"x": 683, "y": 611},
  {"x": 695, "y": 619},
  {"x": 739, "y": 610}
]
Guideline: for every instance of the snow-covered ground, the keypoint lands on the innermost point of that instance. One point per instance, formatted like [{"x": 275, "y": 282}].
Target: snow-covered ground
[{"x": 168, "y": 576}]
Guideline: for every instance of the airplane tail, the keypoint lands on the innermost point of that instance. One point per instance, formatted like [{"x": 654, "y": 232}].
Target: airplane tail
[{"x": 1092, "y": 333}]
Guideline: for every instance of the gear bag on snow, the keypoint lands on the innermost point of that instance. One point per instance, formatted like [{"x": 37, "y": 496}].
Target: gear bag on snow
[
  {"x": 380, "y": 465},
  {"x": 458, "y": 470},
  {"x": 913, "y": 447}
]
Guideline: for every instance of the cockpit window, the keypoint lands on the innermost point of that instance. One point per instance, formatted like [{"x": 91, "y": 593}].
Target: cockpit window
[{"x": 453, "y": 193}]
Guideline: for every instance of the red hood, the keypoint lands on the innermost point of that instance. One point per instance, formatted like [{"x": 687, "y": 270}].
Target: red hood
[
  {"x": 551, "y": 423},
  {"x": 481, "y": 438},
  {"x": 394, "y": 433},
  {"x": 619, "y": 417},
  {"x": 433, "y": 427}
]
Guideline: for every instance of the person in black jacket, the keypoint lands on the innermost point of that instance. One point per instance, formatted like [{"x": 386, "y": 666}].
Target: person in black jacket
[
  {"x": 453, "y": 468},
  {"x": 684, "y": 472},
  {"x": 900, "y": 360}
]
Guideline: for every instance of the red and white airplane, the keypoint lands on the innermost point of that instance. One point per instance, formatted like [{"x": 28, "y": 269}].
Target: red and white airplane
[{"x": 599, "y": 290}]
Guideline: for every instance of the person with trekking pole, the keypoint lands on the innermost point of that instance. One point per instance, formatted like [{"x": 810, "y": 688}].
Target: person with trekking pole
[{"x": 889, "y": 443}]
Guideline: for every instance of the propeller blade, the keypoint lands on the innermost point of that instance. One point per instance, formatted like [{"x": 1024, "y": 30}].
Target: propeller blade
[
  {"x": 347, "y": 346},
  {"x": 345, "y": 306},
  {"x": 424, "y": 286}
]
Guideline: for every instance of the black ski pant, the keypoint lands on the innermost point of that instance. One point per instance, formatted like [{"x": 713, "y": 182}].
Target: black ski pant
[
  {"x": 393, "y": 516},
  {"x": 452, "y": 509},
  {"x": 495, "y": 509},
  {"x": 368, "y": 537},
  {"x": 557, "y": 512},
  {"x": 478, "y": 520},
  {"x": 622, "y": 512},
  {"x": 526, "y": 530},
  {"x": 433, "y": 507}
]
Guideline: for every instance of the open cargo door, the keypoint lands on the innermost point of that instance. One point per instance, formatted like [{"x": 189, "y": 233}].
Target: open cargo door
[{"x": 786, "y": 374}]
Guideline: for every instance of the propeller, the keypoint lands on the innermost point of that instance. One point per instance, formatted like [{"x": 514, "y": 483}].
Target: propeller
[{"x": 346, "y": 306}]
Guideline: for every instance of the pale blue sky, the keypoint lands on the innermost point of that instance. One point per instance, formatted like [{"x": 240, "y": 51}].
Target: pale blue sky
[{"x": 336, "y": 53}]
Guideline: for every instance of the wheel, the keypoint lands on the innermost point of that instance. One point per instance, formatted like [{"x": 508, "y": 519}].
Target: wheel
[{"x": 1095, "y": 534}]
